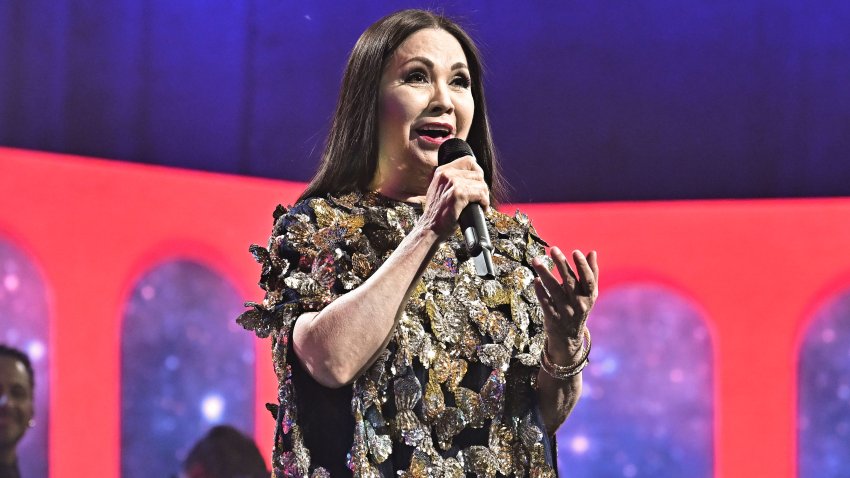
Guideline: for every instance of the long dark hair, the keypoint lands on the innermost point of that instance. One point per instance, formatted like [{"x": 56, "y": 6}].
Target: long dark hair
[{"x": 351, "y": 151}]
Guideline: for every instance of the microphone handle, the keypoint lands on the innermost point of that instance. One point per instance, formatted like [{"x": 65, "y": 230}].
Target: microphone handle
[
  {"x": 472, "y": 224},
  {"x": 477, "y": 238}
]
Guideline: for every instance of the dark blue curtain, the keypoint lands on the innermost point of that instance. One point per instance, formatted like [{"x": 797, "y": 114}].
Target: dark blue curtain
[{"x": 604, "y": 100}]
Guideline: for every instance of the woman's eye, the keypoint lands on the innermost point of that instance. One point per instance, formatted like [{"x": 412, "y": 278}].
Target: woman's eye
[
  {"x": 416, "y": 77},
  {"x": 462, "y": 81}
]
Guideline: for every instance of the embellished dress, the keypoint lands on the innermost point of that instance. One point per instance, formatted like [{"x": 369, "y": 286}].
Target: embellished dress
[{"x": 454, "y": 392}]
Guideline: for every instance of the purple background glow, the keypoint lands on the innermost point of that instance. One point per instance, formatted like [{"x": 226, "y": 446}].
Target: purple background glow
[
  {"x": 24, "y": 316},
  {"x": 824, "y": 391},
  {"x": 185, "y": 366},
  {"x": 601, "y": 100},
  {"x": 647, "y": 405}
]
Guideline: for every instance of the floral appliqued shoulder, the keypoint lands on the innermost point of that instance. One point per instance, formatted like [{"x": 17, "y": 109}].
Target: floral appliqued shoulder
[
  {"x": 464, "y": 354},
  {"x": 316, "y": 252}
]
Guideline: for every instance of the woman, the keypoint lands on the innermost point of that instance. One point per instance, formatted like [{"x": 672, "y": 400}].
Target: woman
[{"x": 393, "y": 356}]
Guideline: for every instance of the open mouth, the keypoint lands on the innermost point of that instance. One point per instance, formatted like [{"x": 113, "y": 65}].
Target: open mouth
[{"x": 434, "y": 133}]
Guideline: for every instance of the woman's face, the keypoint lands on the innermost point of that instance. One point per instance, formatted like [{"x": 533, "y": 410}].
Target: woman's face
[{"x": 425, "y": 99}]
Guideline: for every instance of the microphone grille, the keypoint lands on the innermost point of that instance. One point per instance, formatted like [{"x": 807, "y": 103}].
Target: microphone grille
[{"x": 452, "y": 149}]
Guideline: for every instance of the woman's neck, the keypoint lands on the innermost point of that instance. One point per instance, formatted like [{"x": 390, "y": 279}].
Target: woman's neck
[
  {"x": 402, "y": 196},
  {"x": 401, "y": 187}
]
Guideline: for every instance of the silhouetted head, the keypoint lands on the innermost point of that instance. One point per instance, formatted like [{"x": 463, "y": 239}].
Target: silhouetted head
[{"x": 225, "y": 452}]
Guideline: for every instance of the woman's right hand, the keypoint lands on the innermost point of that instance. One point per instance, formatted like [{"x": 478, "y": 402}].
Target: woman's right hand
[{"x": 452, "y": 187}]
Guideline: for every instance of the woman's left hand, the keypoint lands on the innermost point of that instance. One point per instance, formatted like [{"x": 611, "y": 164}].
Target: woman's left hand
[{"x": 566, "y": 304}]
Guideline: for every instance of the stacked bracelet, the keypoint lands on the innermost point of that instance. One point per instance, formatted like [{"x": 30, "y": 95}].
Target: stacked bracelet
[{"x": 561, "y": 372}]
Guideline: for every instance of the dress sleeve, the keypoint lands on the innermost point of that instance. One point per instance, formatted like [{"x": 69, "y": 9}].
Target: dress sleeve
[
  {"x": 317, "y": 251},
  {"x": 307, "y": 264},
  {"x": 517, "y": 243}
]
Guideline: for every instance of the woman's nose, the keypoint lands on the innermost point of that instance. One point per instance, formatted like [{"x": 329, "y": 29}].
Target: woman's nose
[{"x": 441, "y": 101}]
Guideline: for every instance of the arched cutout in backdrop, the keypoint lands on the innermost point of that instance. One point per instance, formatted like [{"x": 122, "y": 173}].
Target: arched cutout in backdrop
[
  {"x": 25, "y": 315},
  {"x": 823, "y": 415},
  {"x": 185, "y": 366},
  {"x": 647, "y": 406}
]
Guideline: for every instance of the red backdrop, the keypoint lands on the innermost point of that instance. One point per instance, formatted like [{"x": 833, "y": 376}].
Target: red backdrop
[{"x": 758, "y": 269}]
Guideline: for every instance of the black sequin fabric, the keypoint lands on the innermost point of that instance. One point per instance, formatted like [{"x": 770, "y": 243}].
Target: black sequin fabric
[{"x": 421, "y": 394}]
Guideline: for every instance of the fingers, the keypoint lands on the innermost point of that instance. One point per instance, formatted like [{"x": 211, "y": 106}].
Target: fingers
[
  {"x": 553, "y": 288},
  {"x": 584, "y": 283},
  {"x": 462, "y": 180},
  {"x": 594, "y": 266},
  {"x": 454, "y": 186},
  {"x": 587, "y": 277},
  {"x": 466, "y": 162},
  {"x": 544, "y": 299},
  {"x": 476, "y": 188},
  {"x": 564, "y": 269},
  {"x": 462, "y": 192}
]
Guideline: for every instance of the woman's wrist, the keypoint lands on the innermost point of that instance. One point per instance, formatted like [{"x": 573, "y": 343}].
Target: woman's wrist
[
  {"x": 563, "y": 351},
  {"x": 430, "y": 228},
  {"x": 424, "y": 233},
  {"x": 556, "y": 366}
]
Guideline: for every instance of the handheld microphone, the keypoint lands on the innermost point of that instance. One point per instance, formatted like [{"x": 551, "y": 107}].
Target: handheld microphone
[{"x": 471, "y": 219}]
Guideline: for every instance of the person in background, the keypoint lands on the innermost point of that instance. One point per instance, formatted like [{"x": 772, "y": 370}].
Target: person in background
[
  {"x": 224, "y": 452},
  {"x": 17, "y": 383}
]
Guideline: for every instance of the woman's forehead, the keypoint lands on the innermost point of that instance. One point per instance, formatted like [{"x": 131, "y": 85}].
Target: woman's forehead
[{"x": 432, "y": 44}]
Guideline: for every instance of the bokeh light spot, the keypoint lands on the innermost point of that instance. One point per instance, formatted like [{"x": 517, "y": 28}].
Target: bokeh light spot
[
  {"x": 579, "y": 444},
  {"x": 212, "y": 406},
  {"x": 11, "y": 282},
  {"x": 36, "y": 350}
]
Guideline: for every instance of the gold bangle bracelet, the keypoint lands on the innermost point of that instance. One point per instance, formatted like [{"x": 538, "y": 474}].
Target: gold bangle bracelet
[
  {"x": 562, "y": 372},
  {"x": 563, "y": 376}
]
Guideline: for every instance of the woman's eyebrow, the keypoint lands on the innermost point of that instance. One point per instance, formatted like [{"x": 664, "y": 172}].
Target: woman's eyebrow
[
  {"x": 430, "y": 64},
  {"x": 421, "y": 59}
]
